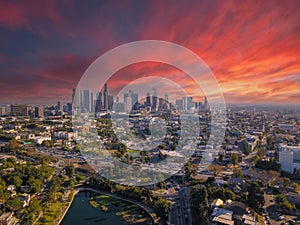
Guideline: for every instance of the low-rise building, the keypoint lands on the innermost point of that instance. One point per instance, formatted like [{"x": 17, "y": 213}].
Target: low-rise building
[
  {"x": 222, "y": 216},
  {"x": 249, "y": 220},
  {"x": 289, "y": 158}
]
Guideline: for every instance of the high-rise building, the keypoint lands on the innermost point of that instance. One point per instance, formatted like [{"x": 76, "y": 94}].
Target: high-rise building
[
  {"x": 125, "y": 96},
  {"x": 19, "y": 110},
  {"x": 148, "y": 100},
  {"x": 92, "y": 102},
  {"x": 5, "y": 110},
  {"x": 60, "y": 106},
  {"x": 76, "y": 98},
  {"x": 86, "y": 100},
  {"x": 154, "y": 99},
  {"x": 110, "y": 102},
  {"x": 135, "y": 98},
  {"x": 105, "y": 96},
  {"x": 179, "y": 104},
  {"x": 99, "y": 103},
  {"x": 128, "y": 104},
  {"x": 190, "y": 103},
  {"x": 206, "y": 104},
  {"x": 39, "y": 111},
  {"x": 184, "y": 103}
]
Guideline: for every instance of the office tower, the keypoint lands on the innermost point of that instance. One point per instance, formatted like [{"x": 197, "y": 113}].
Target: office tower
[
  {"x": 199, "y": 105},
  {"x": 148, "y": 100},
  {"x": 76, "y": 98},
  {"x": 99, "y": 103},
  {"x": 128, "y": 104},
  {"x": 110, "y": 102},
  {"x": 135, "y": 98},
  {"x": 154, "y": 99},
  {"x": 92, "y": 101},
  {"x": 190, "y": 103},
  {"x": 184, "y": 103},
  {"x": 160, "y": 103},
  {"x": 60, "y": 106},
  {"x": 125, "y": 96},
  {"x": 179, "y": 104},
  {"x": 19, "y": 110},
  {"x": 68, "y": 108},
  {"x": 5, "y": 110},
  {"x": 105, "y": 96},
  {"x": 206, "y": 105},
  {"x": 73, "y": 95},
  {"x": 39, "y": 111},
  {"x": 86, "y": 100}
]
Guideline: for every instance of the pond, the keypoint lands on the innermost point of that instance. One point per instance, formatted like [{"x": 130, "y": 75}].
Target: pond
[{"x": 90, "y": 208}]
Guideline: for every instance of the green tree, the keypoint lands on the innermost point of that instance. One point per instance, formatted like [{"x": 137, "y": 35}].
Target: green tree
[
  {"x": 238, "y": 172},
  {"x": 189, "y": 170},
  {"x": 32, "y": 211},
  {"x": 284, "y": 203},
  {"x": 256, "y": 200},
  {"x": 15, "y": 179},
  {"x": 162, "y": 207},
  {"x": 199, "y": 204},
  {"x": 286, "y": 181},
  {"x": 270, "y": 143},
  {"x": 76, "y": 149},
  {"x": 14, "y": 204},
  {"x": 295, "y": 186},
  {"x": 234, "y": 158},
  {"x": 35, "y": 185},
  {"x": 70, "y": 170}
]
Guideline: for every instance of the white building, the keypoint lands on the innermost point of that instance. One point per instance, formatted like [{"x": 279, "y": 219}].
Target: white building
[{"x": 289, "y": 158}]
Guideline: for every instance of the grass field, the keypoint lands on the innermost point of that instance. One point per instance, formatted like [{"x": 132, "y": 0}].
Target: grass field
[{"x": 51, "y": 214}]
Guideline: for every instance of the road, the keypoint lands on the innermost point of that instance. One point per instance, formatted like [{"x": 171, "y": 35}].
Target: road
[{"x": 181, "y": 212}]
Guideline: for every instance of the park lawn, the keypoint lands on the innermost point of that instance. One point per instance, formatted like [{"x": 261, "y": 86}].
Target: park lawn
[
  {"x": 133, "y": 151},
  {"x": 106, "y": 200},
  {"x": 51, "y": 214}
]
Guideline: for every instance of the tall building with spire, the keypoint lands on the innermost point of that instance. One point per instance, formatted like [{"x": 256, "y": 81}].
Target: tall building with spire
[{"x": 105, "y": 96}]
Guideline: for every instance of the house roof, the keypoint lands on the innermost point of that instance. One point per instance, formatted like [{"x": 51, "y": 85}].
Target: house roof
[{"x": 217, "y": 202}]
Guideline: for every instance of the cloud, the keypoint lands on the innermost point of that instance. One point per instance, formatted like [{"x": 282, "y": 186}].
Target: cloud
[{"x": 252, "y": 47}]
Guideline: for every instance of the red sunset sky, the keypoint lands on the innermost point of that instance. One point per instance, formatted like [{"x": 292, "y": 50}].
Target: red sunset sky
[{"x": 252, "y": 47}]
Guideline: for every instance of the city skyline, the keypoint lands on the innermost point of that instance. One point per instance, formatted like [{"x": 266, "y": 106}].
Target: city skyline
[{"x": 252, "y": 48}]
